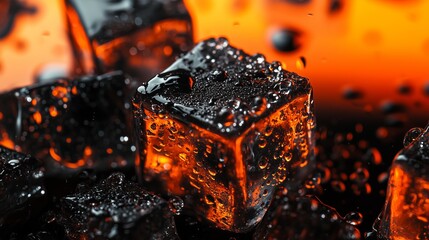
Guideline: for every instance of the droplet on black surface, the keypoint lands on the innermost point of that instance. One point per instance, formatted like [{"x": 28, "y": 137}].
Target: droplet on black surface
[
  {"x": 412, "y": 135},
  {"x": 354, "y": 218},
  {"x": 219, "y": 75},
  {"x": 176, "y": 205},
  {"x": 182, "y": 78},
  {"x": 285, "y": 40},
  {"x": 371, "y": 235}
]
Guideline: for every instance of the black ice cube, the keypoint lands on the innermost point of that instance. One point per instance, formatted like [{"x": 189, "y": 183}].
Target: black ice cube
[
  {"x": 115, "y": 208},
  {"x": 81, "y": 123},
  {"x": 139, "y": 37}
]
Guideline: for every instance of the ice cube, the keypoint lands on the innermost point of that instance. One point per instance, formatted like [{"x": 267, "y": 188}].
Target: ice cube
[
  {"x": 22, "y": 189},
  {"x": 115, "y": 209},
  {"x": 84, "y": 123},
  {"x": 406, "y": 210},
  {"x": 305, "y": 218},
  {"x": 139, "y": 37},
  {"x": 224, "y": 129}
]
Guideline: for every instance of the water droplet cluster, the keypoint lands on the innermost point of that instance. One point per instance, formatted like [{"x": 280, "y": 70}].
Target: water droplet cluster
[{"x": 115, "y": 208}]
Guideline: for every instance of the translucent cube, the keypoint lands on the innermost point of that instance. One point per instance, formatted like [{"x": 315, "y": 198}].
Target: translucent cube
[
  {"x": 224, "y": 129},
  {"x": 138, "y": 37},
  {"x": 85, "y": 123},
  {"x": 406, "y": 210}
]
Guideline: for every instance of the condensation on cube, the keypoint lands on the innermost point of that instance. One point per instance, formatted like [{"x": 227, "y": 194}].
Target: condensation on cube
[{"x": 225, "y": 129}]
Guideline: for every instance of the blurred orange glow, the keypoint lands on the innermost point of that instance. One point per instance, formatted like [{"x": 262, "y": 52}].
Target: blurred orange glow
[
  {"x": 35, "y": 41},
  {"x": 371, "y": 45}
]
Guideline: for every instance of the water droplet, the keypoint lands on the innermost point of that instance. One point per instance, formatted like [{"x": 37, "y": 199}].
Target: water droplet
[
  {"x": 360, "y": 176},
  {"x": 259, "y": 105},
  {"x": 14, "y": 163},
  {"x": 209, "y": 200},
  {"x": 412, "y": 135},
  {"x": 157, "y": 148},
  {"x": 226, "y": 116},
  {"x": 209, "y": 149},
  {"x": 176, "y": 205},
  {"x": 268, "y": 131},
  {"x": 288, "y": 156},
  {"x": 265, "y": 192},
  {"x": 262, "y": 142},
  {"x": 371, "y": 235},
  {"x": 212, "y": 172},
  {"x": 373, "y": 155},
  {"x": 263, "y": 162},
  {"x": 222, "y": 43},
  {"x": 354, "y": 218},
  {"x": 338, "y": 186},
  {"x": 219, "y": 75}
]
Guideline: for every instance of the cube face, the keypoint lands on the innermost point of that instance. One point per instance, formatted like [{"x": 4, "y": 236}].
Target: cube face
[
  {"x": 277, "y": 151},
  {"x": 141, "y": 38},
  {"x": 73, "y": 124},
  {"x": 115, "y": 208},
  {"x": 225, "y": 140},
  {"x": 188, "y": 160},
  {"x": 229, "y": 180},
  {"x": 406, "y": 211},
  {"x": 304, "y": 218},
  {"x": 21, "y": 187}
]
